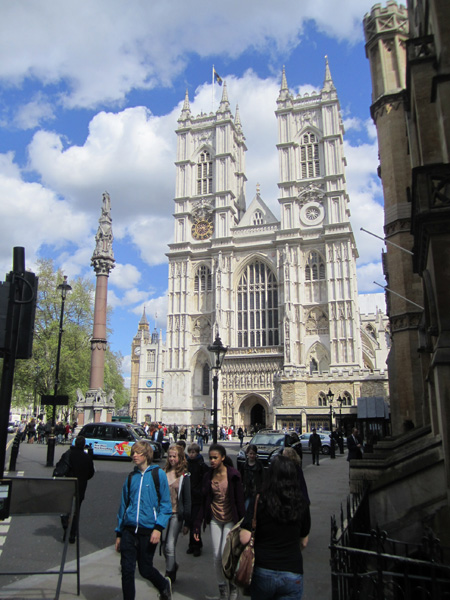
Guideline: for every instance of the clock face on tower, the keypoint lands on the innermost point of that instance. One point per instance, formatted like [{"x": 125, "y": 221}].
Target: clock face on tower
[
  {"x": 203, "y": 228},
  {"x": 137, "y": 350}
]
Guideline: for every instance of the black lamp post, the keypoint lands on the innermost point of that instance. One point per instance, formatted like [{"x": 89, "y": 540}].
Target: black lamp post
[
  {"x": 340, "y": 400},
  {"x": 219, "y": 350},
  {"x": 330, "y": 397},
  {"x": 64, "y": 288}
]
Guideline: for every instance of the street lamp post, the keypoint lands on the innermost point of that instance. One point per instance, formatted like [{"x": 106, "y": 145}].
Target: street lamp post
[
  {"x": 64, "y": 288},
  {"x": 330, "y": 397},
  {"x": 219, "y": 350},
  {"x": 340, "y": 400}
]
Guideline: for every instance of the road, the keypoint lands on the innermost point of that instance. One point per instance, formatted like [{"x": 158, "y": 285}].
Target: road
[{"x": 33, "y": 543}]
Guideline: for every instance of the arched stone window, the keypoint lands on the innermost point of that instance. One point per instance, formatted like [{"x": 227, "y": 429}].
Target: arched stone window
[
  {"x": 258, "y": 218},
  {"x": 203, "y": 280},
  {"x": 204, "y": 174},
  {"x": 205, "y": 379},
  {"x": 315, "y": 267},
  {"x": 322, "y": 399},
  {"x": 309, "y": 156},
  {"x": 257, "y": 307}
]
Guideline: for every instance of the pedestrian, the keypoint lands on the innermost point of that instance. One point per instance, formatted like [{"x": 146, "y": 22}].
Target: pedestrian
[
  {"x": 252, "y": 474},
  {"x": 144, "y": 512},
  {"x": 240, "y": 433},
  {"x": 178, "y": 478},
  {"x": 354, "y": 445},
  {"x": 197, "y": 468},
  {"x": 81, "y": 466},
  {"x": 31, "y": 431},
  {"x": 222, "y": 508},
  {"x": 199, "y": 434},
  {"x": 315, "y": 443},
  {"x": 282, "y": 527},
  {"x": 175, "y": 432}
]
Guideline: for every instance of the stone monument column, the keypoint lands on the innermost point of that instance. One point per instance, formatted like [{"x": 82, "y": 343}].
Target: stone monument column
[{"x": 96, "y": 406}]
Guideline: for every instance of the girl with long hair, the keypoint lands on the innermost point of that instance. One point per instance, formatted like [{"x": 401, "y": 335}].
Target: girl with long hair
[
  {"x": 223, "y": 506},
  {"x": 180, "y": 496},
  {"x": 282, "y": 527}
]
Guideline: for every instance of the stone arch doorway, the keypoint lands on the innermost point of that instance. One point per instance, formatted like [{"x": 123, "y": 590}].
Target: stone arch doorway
[{"x": 257, "y": 417}]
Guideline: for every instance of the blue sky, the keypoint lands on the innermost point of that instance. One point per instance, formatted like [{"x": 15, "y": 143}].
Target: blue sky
[{"x": 90, "y": 92}]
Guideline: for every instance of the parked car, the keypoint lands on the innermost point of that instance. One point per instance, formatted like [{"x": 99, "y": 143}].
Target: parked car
[
  {"x": 114, "y": 440},
  {"x": 270, "y": 443},
  {"x": 11, "y": 427},
  {"x": 324, "y": 437}
]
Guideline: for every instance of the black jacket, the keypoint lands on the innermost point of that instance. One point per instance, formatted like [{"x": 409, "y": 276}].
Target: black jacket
[{"x": 82, "y": 467}]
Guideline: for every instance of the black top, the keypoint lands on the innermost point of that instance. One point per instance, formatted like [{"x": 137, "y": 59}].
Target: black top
[{"x": 277, "y": 545}]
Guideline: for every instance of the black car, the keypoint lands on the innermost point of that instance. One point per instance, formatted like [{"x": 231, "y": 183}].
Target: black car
[
  {"x": 270, "y": 443},
  {"x": 114, "y": 440}
]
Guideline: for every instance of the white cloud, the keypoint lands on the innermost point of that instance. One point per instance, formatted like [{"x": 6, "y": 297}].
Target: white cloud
[
  {"x": 124, "y": 276},
  {"x": 156, "y": 311},
  {"x": 146, "y": 44},
  {"x": 32, "y": 215},
  {"x": 30, "y": 115}
]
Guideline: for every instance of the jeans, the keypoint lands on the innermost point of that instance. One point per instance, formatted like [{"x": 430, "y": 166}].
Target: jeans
[
  {"x": 136, "y": 547},
  {"x": 315, "y": 456},
  {"x": 172, "y": 531},
  {"x": 219, "y": 532},
  {"x": 200, "y": 442},
  {"x": 276, "y": 585}
]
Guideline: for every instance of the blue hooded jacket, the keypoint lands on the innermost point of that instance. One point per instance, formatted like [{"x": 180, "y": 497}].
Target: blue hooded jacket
[{"x": 139, "y": 508}]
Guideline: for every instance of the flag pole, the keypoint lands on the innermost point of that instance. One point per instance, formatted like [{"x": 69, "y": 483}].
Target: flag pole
[{"x": 212, "y": 99}]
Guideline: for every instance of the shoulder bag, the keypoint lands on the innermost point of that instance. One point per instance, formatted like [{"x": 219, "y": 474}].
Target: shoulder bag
[{"x": 244, "y": 569}]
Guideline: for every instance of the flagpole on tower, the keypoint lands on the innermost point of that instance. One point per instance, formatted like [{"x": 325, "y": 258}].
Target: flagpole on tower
[{"x": 213, "y": 82}]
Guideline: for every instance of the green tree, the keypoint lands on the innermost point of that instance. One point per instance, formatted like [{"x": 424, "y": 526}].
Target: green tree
[{"x": 36, "y": 376}]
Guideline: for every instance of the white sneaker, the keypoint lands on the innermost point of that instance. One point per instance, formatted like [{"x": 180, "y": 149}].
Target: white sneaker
[{"x": 234, "y": 592}]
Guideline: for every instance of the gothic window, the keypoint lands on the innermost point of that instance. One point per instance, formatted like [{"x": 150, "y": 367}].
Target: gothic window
[
  {"x": 322, "y": 399},
  {"x": 151, "y": 360},
  {"x": 315, "y": 267},
  {"x": 258, "y": 218},
  {"x": 204, "y": 174},
  {"x": 257, "y": 307},
  {"x": 313, "y": 366},
  {"x": 205, "y": 380},
  {"x": 203, "y": 280},
  {"x": 347, "y": 399},
  {"x": 309, "y": 156}
]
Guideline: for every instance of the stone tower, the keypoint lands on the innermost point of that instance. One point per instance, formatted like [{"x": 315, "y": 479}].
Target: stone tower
[
  {"x": 281, "y": 294},
  {"x": 96, "y": 406},
  {"x": 386, "y": 32},
  {"x": 147, "y": 374}
]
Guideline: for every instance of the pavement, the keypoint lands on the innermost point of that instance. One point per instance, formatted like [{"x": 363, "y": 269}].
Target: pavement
[{"x": 328, "y": 487}]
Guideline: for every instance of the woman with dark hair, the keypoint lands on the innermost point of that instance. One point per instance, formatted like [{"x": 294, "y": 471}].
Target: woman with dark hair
[
  {"x": 223, "y": 507},
  {"x": 282, "y": 526}
]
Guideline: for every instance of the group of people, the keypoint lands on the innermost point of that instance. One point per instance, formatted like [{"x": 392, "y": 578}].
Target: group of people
[
  {"x": 186, "y": 496},
  {"x": 39, "y": 431}
]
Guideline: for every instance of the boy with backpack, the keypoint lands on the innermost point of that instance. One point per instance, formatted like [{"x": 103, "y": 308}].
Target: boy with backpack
[{"x": 144, "y": 512}]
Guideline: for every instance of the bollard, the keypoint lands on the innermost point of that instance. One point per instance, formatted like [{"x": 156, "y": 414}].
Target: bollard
[{"x": 14, "y": 451}]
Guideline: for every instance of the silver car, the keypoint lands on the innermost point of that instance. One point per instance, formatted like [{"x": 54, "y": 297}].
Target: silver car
[{"x": 324, "y": 438}]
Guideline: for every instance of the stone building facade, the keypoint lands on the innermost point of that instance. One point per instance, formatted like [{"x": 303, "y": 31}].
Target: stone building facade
[
  {"x": 409, "y": 58},
  {"x": 280, "y": 292}
]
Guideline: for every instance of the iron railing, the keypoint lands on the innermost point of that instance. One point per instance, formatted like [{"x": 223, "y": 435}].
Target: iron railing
[{"x": 365, "y": 563}]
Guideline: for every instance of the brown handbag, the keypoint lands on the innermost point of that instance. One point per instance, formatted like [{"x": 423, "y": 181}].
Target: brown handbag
[{"x": 244, "y": 569}]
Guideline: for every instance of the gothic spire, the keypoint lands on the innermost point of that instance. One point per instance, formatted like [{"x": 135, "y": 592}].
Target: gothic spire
[
  {"x": 186, "y": 110},
  {"x": 237, "y": 117},
  {"x": 224, "y": 103},
  {"x": 328, "y": 83},
  {"x": 284, "y": 90}
]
